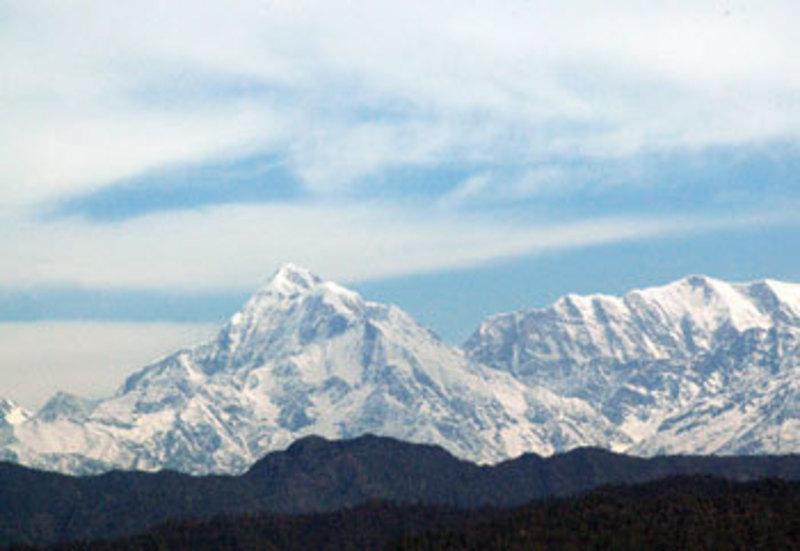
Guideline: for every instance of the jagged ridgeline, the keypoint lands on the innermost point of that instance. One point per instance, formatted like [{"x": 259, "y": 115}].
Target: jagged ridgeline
[{"x": 697, "y": 366}]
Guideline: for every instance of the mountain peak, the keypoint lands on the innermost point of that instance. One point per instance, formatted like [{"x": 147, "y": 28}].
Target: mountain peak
[
  {"x": 12, "y": 413},
  {"x": 292, "y": 307},
  {"x": 291, "y": 282},
  {"x": 291, "y": 278},
  {"x": 67, "y": 406}
]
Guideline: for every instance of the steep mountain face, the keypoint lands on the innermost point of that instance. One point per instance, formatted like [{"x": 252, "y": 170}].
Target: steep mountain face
[
  {"x": 696, "y": 366},
  {"x": 304, "y": 356}
]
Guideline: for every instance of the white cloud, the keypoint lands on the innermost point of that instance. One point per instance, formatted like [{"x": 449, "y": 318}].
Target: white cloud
[
  {"x": 238, "y": 246},
  {"x": 469, "y": 189},
  {"x": 88, "y": 359},
  {"x": 544, "y": 179},
  {"x": 539, "y": 181},
  {"x": 93, "y": 92},
  {"x": 518, "y": 80}
]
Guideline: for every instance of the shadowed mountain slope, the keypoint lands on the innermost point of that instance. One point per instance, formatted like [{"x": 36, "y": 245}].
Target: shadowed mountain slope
[
  {"x": 678, "y": 512},
  {"x": 319, "y": 475}
]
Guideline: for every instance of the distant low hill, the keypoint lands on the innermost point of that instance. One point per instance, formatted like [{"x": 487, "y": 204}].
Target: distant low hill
[
  {"x": 317, "y": 475},
  {"x": 673, "y": 513}
]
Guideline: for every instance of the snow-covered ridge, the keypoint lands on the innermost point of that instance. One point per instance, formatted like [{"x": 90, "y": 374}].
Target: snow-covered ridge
[
  {"x": 675, "y": 320},
  {"x": 677, "y": 359},
  {"x": 698, "y": 365}
]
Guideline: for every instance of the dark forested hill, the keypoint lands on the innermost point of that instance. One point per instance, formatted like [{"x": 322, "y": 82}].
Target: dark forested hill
[
  {"x": 316, "y": 475},
  {"x": 673, "y": 513}
]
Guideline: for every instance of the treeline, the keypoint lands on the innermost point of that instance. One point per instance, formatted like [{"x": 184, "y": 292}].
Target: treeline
[
  {"x": 318, "y": 476},
  {"x": 686, "y": 513},
  {"x": 674, "y": 513}
]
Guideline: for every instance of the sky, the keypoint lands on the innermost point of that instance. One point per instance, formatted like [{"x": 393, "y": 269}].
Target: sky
[{"x": 161, "y": 159}]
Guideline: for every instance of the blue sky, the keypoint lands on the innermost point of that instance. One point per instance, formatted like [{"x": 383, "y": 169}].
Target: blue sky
[{"x": 160, "y": 161}]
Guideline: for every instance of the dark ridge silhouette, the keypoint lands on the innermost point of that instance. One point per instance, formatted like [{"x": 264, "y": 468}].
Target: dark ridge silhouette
[
  {"x": 673, "y": 513},
  {"x": 317, "y": 475}
]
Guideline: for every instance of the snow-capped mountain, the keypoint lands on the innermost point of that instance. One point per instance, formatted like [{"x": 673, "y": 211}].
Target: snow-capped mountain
[
  {"x": 305, "y": 356},
  {"x": 696, "y": 366}
]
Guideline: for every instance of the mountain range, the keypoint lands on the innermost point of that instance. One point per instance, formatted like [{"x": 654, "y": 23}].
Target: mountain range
[{"x": 697, "y": 366}]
